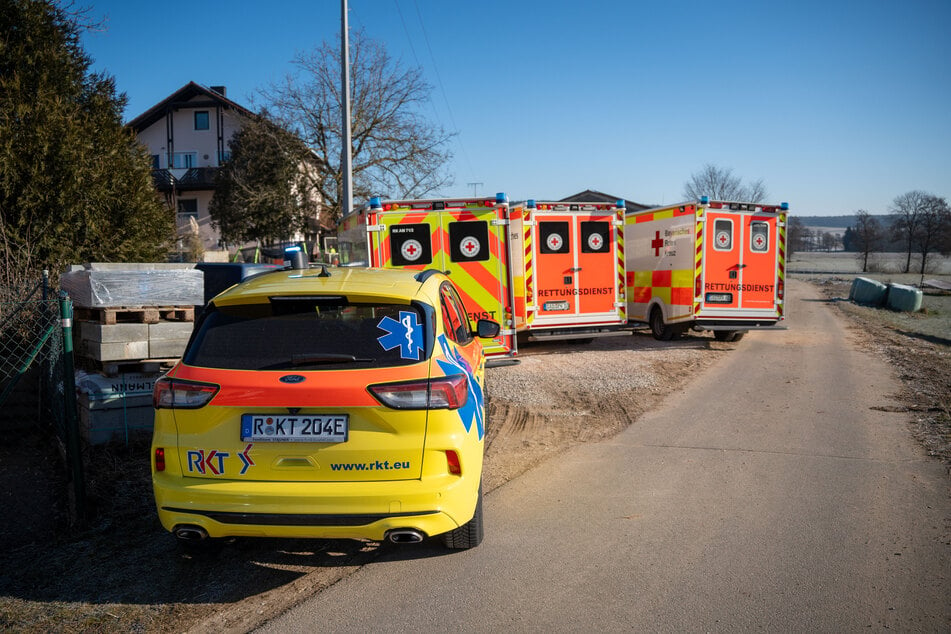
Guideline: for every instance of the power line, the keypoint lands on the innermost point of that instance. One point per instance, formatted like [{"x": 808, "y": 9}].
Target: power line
[{"x": 442, "y": 89}]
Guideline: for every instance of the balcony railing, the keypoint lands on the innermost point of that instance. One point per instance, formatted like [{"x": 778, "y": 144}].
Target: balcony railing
[{"x": 193, "y": 179}]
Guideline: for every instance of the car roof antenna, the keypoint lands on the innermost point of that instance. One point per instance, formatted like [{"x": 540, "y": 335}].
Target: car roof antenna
[{"x": 323, "y": 271}]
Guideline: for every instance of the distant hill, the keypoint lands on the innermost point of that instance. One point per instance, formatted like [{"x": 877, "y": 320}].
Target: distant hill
[
  {"x": 831, "y": 221},
  {"x": 840, "y": 222}
]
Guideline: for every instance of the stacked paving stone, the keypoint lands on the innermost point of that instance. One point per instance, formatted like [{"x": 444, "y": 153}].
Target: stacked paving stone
[{"x": 130, "y": 321}]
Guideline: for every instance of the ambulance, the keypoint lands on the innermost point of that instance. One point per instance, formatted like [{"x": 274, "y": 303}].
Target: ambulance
[
  {"x": 467, "y": 238},
  {"x": 568, "y": 266},
  {"x": 707, "y": 265}
]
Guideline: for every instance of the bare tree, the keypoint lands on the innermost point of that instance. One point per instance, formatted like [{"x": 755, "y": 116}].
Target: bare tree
[
  {"x": 795, "y": 236},
  {"x": 395, "y": 151},
  {"x": 868, "y": 235},
  {"x": 909, "y": 208},
  {"x": 756, "y": 191},
  {"x": 932, "y": 228},
  {"x": 719, "y": 183}
]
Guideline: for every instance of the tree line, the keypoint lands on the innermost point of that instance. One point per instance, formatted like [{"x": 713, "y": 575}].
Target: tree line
[{"x": 918, "y": 225}]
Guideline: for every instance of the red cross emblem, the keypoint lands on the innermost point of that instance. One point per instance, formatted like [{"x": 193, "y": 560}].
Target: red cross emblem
[
  {"x": 759, "y": 242},
  {"x": 723, "y": 238},
  {"x": 411, "y": 249},
  {"x": 657, "y": 243},
  {"x": 595, "y": 241},
  {"x": 470, "y": 246}
]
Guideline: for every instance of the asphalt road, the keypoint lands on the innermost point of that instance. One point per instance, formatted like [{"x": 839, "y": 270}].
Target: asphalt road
[{"x": 775, "y": 491}]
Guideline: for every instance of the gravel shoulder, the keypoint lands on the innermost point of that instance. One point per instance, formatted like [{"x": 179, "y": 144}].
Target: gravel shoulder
[{"x": 124, "y": 573}]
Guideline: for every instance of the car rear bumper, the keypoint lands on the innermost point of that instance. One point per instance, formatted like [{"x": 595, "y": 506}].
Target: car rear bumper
[{"x": 358, "y": 510}]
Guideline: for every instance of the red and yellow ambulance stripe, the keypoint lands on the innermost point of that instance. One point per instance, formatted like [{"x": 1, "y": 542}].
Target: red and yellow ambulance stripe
[
  {"x": 621, "y": 267},
  {"x": 698, "y": 263},
  {"x": 528, "y": 268},
  {"x": 781, "y": 268}
]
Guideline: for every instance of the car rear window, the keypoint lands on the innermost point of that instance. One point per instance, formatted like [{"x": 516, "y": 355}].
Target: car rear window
[{"x": 312, "y": 333}]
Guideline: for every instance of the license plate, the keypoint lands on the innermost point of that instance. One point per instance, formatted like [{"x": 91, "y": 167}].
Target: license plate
[
  {"x": 555, "y": 306},
  {"x": 719, "y": 298},
  {"x": 295, "y": 428}
]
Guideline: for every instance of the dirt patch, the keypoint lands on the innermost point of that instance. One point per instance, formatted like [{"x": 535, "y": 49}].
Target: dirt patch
[{"x": 125, "y": 573}]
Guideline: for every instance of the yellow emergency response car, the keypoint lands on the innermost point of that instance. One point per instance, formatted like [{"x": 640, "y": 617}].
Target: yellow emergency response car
[{"x": 326, "y": 403}]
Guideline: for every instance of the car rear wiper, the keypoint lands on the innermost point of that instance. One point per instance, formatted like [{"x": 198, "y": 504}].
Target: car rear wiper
[{"x": 317, "y": 359}]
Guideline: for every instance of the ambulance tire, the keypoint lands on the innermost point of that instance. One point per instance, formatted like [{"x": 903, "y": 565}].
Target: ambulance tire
[
  {"x": 728, "y": 335},
  {"x": 470, "y": 534},
  {"x": 660, "y": 330}
]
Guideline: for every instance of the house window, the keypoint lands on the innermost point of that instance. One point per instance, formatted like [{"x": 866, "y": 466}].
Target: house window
[
  {"x": 184, "y": 160},
  {"x": 201, "y": 119},
  {"x": 155, "y": 161},
  {"x": 187, "y": 208}
]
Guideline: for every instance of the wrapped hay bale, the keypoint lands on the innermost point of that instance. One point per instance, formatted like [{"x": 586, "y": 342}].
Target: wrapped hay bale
[
  {"x": 867, "y": 291},
  {"x": 904, "y": 298}
]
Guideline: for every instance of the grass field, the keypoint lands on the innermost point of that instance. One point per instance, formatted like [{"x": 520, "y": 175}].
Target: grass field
[{"x": 880, "y": 264}]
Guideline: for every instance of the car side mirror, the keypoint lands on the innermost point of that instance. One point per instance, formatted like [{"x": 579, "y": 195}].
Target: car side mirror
[{"x": 486, "y": 329}]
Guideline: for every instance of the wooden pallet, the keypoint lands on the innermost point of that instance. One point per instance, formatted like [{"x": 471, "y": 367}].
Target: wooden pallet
[
  {"x": 134, "y": 314},
  {"x": 115, "y": 368}
]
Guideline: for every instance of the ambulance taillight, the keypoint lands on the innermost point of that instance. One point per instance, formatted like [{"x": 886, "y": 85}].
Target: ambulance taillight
[{"x": 780, "y": 290}]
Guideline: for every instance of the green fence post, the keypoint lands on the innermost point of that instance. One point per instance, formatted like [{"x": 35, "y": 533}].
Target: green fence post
[{"x": 73, "y": 449}]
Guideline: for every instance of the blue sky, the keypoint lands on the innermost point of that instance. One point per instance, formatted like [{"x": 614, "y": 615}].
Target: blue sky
[{"x": 836, "y": 105}]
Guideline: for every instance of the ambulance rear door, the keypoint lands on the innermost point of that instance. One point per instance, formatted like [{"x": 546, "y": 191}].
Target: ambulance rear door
[
  {"x": 475, "y": 254},
  {"x": 741, "y": 255},
  {"x": 575, "y": 266}
]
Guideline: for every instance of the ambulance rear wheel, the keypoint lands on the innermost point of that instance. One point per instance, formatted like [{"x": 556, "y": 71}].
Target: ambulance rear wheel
[
  {"x": 728, "y": 335},
  {"x": 660, "y": 330}
]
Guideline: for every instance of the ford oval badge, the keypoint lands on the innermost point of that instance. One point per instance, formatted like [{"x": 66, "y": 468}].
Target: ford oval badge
[{"x": 291, "y": 378}]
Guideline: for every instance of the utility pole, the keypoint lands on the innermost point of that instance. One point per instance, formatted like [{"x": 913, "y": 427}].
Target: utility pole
[
  {"x": 475, "y": 188},
  {"x": 346, "y": 168}
]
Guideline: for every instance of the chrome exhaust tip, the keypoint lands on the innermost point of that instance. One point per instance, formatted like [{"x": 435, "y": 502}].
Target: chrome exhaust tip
[
  {"x": 405, "y": 536},
  {"x": 190, "y": 534}
]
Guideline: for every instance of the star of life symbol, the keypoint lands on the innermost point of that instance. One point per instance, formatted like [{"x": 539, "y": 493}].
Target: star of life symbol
[
  {"x": 412, "y": 250},
  {"x": 554, "y": 242},
  {"x": 595, "y": 241},
  {"x": 470, "y": 246},
  {"x": 723, "y": 238},
  {"x": 406, "y": 334}
]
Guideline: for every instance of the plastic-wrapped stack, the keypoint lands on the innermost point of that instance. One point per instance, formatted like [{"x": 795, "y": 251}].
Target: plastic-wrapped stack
[
  {"x": 129, "y": 321},
  {"x": 131, "y": 313}
]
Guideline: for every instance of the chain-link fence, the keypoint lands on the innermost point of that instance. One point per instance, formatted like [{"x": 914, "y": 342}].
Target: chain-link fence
[{"x": 37, "y": 381}]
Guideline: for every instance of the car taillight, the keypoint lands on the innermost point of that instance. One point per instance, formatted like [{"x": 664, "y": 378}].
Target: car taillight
[
  {"x": 448, "y": 392},
  {"x": 159, "y": 459},
  {"x": 173, "y": 394}
]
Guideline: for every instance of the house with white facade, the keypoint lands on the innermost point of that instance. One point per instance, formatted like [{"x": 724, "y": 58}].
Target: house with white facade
[{"x": 188, "y": 135}]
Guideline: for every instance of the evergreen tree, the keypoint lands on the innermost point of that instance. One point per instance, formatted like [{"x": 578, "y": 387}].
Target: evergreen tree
[
  {"x": 75, "y": 185},
  {"x": 263, "y": 192}
]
